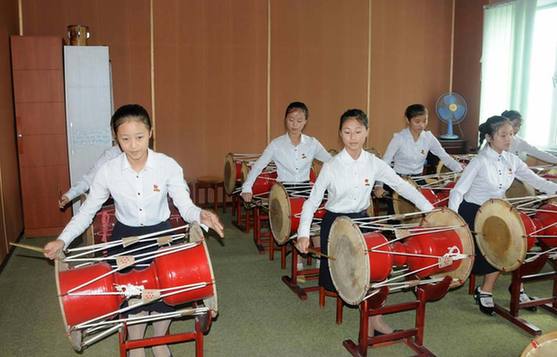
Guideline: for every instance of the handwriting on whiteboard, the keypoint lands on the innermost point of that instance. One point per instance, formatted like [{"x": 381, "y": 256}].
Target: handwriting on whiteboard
[{"x": 91, "y": 137}]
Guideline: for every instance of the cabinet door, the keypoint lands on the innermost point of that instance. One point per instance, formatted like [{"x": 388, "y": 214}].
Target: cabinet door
[{"x": 41, "y": 132}]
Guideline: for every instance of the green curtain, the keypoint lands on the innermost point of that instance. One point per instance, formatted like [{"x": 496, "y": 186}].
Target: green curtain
[{"x": 506, "y": 52}]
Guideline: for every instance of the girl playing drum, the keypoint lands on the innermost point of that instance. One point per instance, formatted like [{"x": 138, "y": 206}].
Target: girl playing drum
[
  {"x": 348, "y": 179},
  {"x": 139, "y": 181},
  {"x": 488, "y": 176}
]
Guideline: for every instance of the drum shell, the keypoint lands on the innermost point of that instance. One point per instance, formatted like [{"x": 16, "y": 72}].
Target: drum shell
[
  {"x": 82, "y": 308},
  {"x": 443, "y": 195},
  {"x": 380, "y": 264},
  {"x": 188, "y": 266},
  {"x": 529, "y": 227},
  {"x": 312, "y": 175},
  {"x": 430, "y": 196},
  {"x": 296, "y": 205},
  {"x": 264, "y": 182},
  {"x": 544, "y": 219},
  {"x": 435, "y": 244},
  {"x": 194, "y": 267}
]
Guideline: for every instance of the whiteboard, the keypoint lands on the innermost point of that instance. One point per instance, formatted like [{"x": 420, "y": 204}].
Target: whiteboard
[{"x": 88, "y": 86}]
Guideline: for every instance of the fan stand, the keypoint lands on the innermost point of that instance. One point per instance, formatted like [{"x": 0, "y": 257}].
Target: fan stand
[{"x": 450, "y": 135}]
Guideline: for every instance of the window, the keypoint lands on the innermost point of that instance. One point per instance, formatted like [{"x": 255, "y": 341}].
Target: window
[{"x": 519, "y": 66}]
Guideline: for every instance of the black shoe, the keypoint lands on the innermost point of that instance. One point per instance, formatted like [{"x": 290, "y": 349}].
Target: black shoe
[
  {"x": 523, "y": 297},
  {"x": 484, "y": 301},
  {"x": 379, "y": 333}
]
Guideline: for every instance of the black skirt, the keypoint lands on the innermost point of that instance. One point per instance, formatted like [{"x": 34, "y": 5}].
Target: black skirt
[
  {"x": 468, "y": 212},
  {"x": 324, "y": 274},
  {"x": 121, "y": 231}
]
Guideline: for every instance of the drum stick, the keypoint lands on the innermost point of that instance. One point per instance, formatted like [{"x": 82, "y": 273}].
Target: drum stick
[
  {"x": 319, "y": 254},
  {"x": 27, "y": 246}
]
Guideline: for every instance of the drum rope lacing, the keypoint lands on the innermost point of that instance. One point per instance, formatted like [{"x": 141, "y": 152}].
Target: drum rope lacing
[
  {"x": 92, "y": 323},
  {"x": 446, "y": 259},
  {"x": 101, "y": 246},
  {"x": 75, "y": 258}
]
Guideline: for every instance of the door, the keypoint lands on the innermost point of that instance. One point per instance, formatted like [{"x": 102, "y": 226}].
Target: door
[{"x": 37, "y": 70}]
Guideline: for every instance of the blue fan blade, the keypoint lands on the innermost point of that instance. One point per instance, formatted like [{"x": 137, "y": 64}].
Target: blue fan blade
[
  {"x": 449, "y": 99},
  {"x": 460, "y": 111},
  {"x": 445, "y": 113}
]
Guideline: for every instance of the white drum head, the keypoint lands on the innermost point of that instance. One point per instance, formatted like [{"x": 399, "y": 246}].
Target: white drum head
[
  {"x": 229, "y": 173},
  {"x": 211, "y": 302},
  {"x": 350, "y": 271},
  {"x": 542, "y": 346},
  {"x": 501, "y": 235},
  {"x": 195, "y": 232},
  {"x": 279, "y": 213}
]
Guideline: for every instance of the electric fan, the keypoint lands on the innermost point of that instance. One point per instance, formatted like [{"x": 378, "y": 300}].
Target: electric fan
[{"x": 451, "y": 109}]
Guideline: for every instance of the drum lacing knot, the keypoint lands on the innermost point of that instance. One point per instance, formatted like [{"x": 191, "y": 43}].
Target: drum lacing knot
[
  {"x": 448, "y": 258},
  {"x": 454, "y": 253},
  {"x": 129, "y": 290}
]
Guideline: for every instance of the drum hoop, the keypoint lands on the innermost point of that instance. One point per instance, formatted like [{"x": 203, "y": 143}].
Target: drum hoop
[
  {"x": 278, "y": 193},
  {"x": 211, "y": 302},
  {"x": 450, "y": 218},
  {"x": 229, "y": 181},
  {"x": 245, "y": 171},
  {"x": 513, "y": 222},
  {"x": 75, "y": 336},
  {"x": 538, "y": 342},
  {"x": 354, "y": 230}
]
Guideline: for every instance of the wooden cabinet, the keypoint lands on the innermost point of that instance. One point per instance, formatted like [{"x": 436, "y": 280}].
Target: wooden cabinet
[
  {"x": 454, "y": 146},
  {"x": 38, "y": 80}
]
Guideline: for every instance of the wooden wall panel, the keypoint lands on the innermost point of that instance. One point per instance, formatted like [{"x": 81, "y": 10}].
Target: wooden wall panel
[
  {"x": 410, "y": 48},
  {"x": 211, "y": 65},
  {"x": 122, "y": 25},
  {"x": 319, "y": 55},
  {"x": 210, "y": 80},
  {"x": 467, "y": 66},
  {"x": 11, "y": 214}
]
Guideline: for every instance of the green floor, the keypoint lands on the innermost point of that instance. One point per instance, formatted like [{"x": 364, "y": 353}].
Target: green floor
[{"x": 259, "y": 315}]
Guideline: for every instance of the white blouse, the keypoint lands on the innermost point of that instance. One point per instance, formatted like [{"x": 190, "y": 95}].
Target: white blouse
[
  {"x": 140, "y": 198},
  {"x": 83, "y": 185},
  {"x": 522, "y": 149},
  {"x": 409, "y": 156},
  {"x": 490, "y": 174},
  {"x": 349, "y": 183},
  {"x": 293, "y": 162}
]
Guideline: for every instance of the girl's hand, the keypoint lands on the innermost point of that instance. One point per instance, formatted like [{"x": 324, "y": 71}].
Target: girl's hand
[
  {"x": 53, "y": 249},
  {"x": 63, "y": 201},
  {"x": 247, "y": 196},
  {"x": 302, "y": 244},
  {"x": 211, "y": 220}
]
